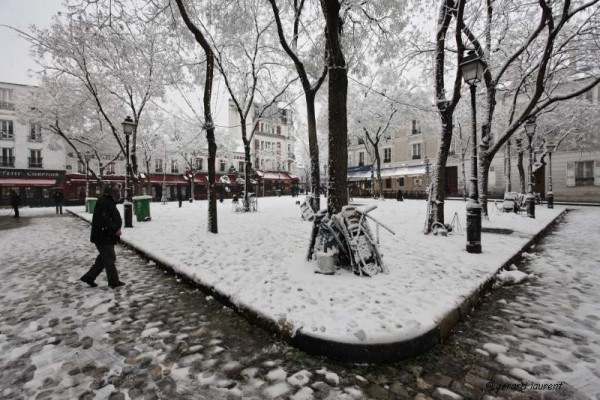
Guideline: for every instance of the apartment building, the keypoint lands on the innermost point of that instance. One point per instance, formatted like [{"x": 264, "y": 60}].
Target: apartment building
[{"x": 32, "y": 160}]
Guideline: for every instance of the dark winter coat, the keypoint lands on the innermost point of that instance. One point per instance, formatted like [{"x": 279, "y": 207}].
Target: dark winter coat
[
  {"x": 59, "y": 197},
  {"x": 106, "y": 221},
  {"x": 15, "y": 200}
]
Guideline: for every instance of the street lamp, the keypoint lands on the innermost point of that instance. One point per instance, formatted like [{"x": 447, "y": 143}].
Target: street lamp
[
  {"x": 88, "y": 157},
  {"x": 530, "y": 126},
  {"x": 128, "y": 128},
  {"x": 550, "y": 146},
  {"x": 427, "y": 170},
  {"x": 472, "y": 72}
]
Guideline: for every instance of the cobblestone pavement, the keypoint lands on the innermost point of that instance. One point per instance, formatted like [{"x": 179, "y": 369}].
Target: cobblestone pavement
[{"x": 159, "y": 338}]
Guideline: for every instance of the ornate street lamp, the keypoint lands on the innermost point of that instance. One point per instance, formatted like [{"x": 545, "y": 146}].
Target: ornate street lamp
[
  {"x": 530, "y": 126},
  {"x": 472, "y": 72},
  {"x": 550, "y": 146},
  {"x": 128, "y": 128}
]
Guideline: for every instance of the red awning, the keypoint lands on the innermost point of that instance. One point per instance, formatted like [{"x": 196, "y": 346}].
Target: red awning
[{"x": 28, "y": 182}]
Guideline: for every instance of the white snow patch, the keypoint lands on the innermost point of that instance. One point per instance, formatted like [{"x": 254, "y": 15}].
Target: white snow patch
[
  {"x": 149, "y": 332},
  {"x": 495, "y": 348},
  {"x": 277, "y": 374},
  {"x": 332, "y": 378},
  {"x": 276, "y": 390},
  {"x": 446, "y": 394},
  {"x": 300, "y": 378},
  {"x": 304, "y": 393},
  {"x": 511, "y": 277}
]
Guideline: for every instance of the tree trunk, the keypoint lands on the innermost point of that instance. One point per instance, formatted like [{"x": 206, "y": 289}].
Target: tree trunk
[
  {"x": 338, "y": 124},
  {"x": 436, "y": 201},
  {"x": 520, "y": 165},
  {"x": 208, "y": 120},
  {"x": 483, "y": 176},
  {"x": 247, "y": 162},
  {"x": 507, "y": 168},
  {"x": 378, "y": 166},
  {"x": 313, "y": 148}
]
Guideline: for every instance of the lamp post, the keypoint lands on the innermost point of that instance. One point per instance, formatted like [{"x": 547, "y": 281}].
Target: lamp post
[
  {"x": 530, "y": 126},
  {"x": 427, "y": 164},
  {"x": 128, "y": 128},
  {"x": 88, "y": 157},
  {"x": 550, "y": 146},
  {"x": 472, "y": 71}
]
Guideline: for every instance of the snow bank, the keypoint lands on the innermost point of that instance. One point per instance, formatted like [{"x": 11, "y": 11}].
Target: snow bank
[{"x": 258, "y": 259}]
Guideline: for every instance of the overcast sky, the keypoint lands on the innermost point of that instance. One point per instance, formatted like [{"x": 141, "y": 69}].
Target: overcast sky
[{"x": 16, "y": 61}]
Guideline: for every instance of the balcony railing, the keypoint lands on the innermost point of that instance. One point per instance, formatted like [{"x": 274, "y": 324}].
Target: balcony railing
[
  {"x": 416, "y": 157},
  {"x": 7, "y": 161},
  {"x": 6, "y": 135},
  {"x": 35, "y": 162},
  {"x": 35, "y": 138},
  {"x": 5, "y": 105},
  {"x": 158, "y": 170}
]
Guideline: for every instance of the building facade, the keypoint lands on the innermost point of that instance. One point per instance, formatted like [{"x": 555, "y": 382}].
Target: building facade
[
  {"x": 404, "y": 155},
  {"x": 32, "y": 160}
]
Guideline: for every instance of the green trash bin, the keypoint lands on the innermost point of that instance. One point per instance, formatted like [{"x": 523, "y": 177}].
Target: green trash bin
[
  {"x": 90, "y": 204},
  {"x": 141, "y": 208}
]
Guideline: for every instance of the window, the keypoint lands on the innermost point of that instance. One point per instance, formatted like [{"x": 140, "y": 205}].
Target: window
[
  {"x": 6, "y": 99},
  {"x": 35, "y": 159},
  {"x": 387, "y": 155},
  {"x": 6, "y": 129},
  {"x": 416, "y": 151},
  {"x": 361, "y": 140},
  {"x": 584, "y": 173},
  {"x": 222, "y": 165},
  {"x": 388, "y": 183},
  {"x": 240, "y": 166},
  {"x": 415, "y": 127},
  {"x": 361, "y": 159},
  {"x": 199, "y": 164},
  {"x": 80, "y": 167},
  {"x": 350, "y": 160},
  {"x": 401, "y": 182},
  {"x": 174, "y": 166},
  {"x": 158, "y": 165},
  {"x": 110, "y": 169},
  {"x": 278, "y": 148},
  {"x": 35, "y": 133},
  {"x": 278, "y": 130},
  {"x": 7, "y": 159}
]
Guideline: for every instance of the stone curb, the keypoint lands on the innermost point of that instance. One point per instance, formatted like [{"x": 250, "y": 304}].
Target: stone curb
[{"x": 362, "y": 353}]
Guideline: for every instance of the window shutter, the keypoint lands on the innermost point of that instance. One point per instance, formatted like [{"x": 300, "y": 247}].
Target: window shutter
[
  {"x": 570, "y": 174},
  {"x": 597, "y": 173}
]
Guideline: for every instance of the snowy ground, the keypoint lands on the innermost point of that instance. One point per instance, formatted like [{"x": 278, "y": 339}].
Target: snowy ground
[
  {"x": 159, "y": 338},
  {"x": 550, "y": 331},
  {"x": 258, "y": 259}
]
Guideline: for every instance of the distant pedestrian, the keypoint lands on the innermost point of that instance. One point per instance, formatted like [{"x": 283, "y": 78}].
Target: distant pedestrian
[
  {"x": 221, "y": 194},
  {"x": 180, "y": 199},
  {"x": 59, "y": 199},
  {"x": 106, "y": 230},
  {"x": 15, "y": 202}
]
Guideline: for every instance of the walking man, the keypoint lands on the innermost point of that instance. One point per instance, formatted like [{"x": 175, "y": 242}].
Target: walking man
[
  {"x": 59, "y": 198},
  {"x": 15, "y": 202},
  {"x": 106, "y": 230}
]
